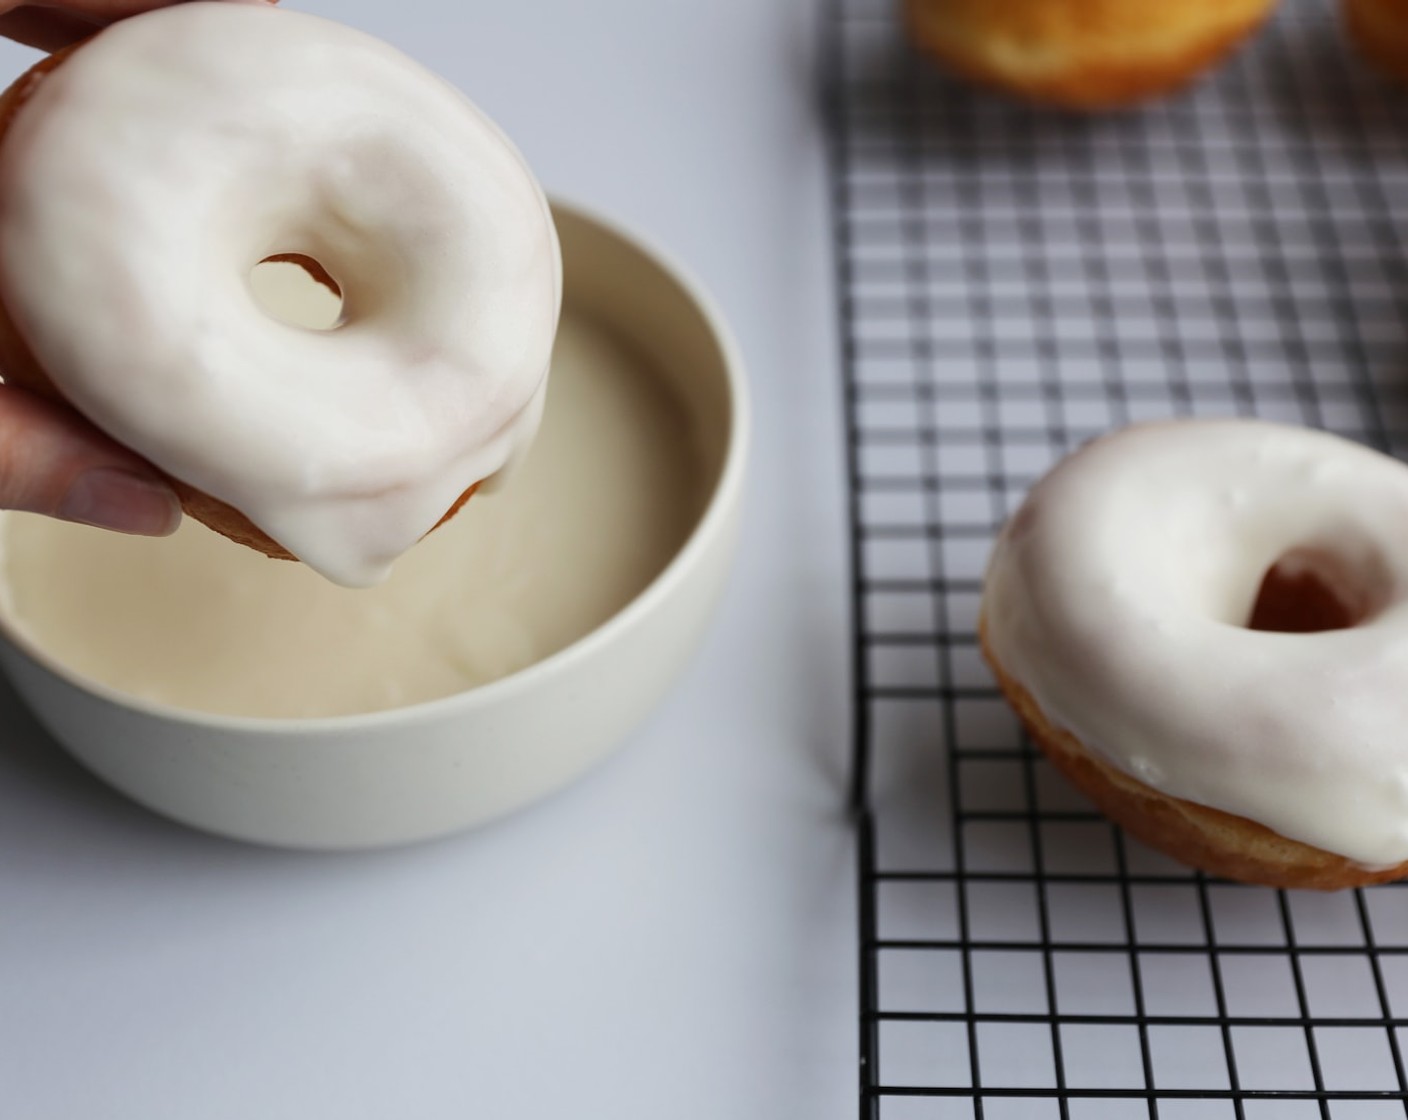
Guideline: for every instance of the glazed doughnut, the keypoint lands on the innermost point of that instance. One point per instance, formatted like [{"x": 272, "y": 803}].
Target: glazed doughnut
[
  {"x": 1204, "y": 625},
  {"x": 1379, "y": 28},
  {"x": 1082, "y": 54},
  {"x": 145, "y": 173}
]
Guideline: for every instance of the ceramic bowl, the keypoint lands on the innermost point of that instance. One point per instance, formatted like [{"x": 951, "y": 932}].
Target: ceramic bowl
[{"x": 412, "y": 773}]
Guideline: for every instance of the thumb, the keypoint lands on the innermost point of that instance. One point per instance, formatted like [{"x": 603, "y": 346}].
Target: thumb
[
  {"x": 53, "y": 462},
  {"x": 51, "y": 25}
]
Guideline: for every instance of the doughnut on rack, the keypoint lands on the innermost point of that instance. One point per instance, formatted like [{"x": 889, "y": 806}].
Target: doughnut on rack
[{"x": 1011, "y": 282}]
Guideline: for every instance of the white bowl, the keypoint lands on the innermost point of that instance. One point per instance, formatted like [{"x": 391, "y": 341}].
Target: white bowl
[{"x": 408, "y": 774}]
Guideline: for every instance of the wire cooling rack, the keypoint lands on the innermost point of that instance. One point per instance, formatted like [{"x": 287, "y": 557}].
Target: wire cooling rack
[{"x": 1013, "y": 282}]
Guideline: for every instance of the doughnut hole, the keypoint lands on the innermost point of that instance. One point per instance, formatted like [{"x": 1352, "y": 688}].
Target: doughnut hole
[
  {"x": 1311, "y": 590},
  {"x": 296, "y": 289}
]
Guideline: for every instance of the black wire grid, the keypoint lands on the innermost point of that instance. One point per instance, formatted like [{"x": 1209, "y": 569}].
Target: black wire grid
[{"x": 1013, "y": 282}]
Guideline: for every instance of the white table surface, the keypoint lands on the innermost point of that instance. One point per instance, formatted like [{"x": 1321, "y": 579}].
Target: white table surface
[{"x": 671, "y": 937}]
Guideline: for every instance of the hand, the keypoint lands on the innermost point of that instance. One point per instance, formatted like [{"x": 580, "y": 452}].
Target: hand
[
  {"x": 54, "y": 462},
  {"x": 52, "y": 24},
  {"x": 51, "y": 460}
]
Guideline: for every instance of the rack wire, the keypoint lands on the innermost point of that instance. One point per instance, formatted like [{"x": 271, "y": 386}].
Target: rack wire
[{"x": 1012, "y": 282}]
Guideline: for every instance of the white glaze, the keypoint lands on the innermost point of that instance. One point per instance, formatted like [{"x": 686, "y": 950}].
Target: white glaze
[
  {"x": 1118, "y": 597},
  {"x": 154, "y": 168}
]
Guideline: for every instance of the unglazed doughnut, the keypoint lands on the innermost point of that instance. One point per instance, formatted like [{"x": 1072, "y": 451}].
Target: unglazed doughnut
[
  {"x": 1379, "y": 28},
  {"x": 1082, "y": 54},
  {"x": 1118, "y": 613},
  {"x": 144, "y": 175}
]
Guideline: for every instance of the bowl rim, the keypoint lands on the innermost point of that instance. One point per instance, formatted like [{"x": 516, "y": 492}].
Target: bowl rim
[{"x": 724, "y": 496}]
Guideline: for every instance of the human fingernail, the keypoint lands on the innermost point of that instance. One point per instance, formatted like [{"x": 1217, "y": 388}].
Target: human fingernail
[{"x": 120, "y": 500}]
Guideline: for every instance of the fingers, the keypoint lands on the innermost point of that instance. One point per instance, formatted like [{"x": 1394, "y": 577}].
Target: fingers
[
  {"x": 106, "y": 11},
  {"x": 46, "y": 29},
  {"x": 51, "y": 25},
  {"x": 51, "y": 462},
  {"x": 100, "y": 11}
]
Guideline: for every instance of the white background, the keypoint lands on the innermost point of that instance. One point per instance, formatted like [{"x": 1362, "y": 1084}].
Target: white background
[{"x": 673, "y": 936}]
